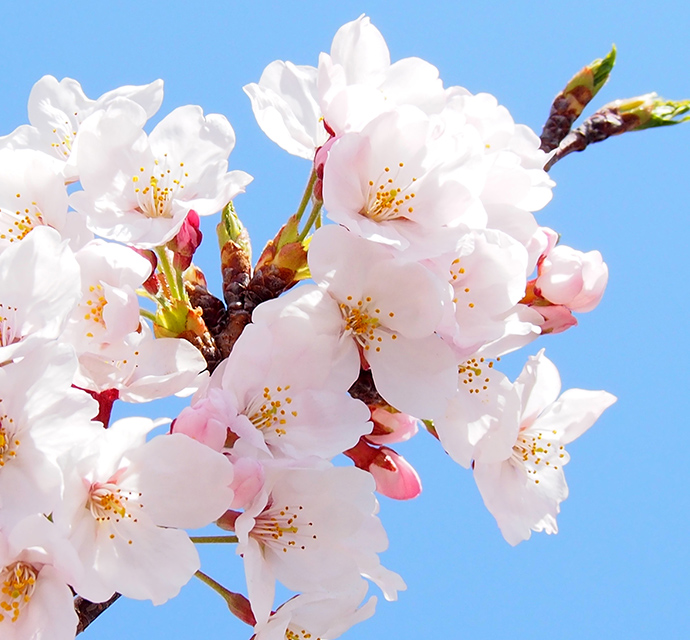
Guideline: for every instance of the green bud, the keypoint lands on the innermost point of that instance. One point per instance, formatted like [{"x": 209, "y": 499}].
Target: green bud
[
  {"x": 650, "y": 110},
  {"x": 230, "y": 228},
  {"x": 587, "y": 82}
]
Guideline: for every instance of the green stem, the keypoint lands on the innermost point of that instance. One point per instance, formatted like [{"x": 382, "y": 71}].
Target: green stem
[
  {"x": 149, "y": 315},
  {"x": 313, "y": 217},
  {"x": 170, "y": 276},
  {"x": 212, "y": 539},
  {"x": 307, "y": 195},
  {"x": 237, "y": 603}
]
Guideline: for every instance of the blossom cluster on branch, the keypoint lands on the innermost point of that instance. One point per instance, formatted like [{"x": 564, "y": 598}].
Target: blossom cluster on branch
[{"x": 343, "y": 338}]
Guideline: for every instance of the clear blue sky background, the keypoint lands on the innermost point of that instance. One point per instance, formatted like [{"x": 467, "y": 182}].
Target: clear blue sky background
[{"x": 620, "y": 566}]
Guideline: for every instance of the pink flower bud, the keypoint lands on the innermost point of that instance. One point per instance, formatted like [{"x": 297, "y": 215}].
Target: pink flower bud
[
  {"x": 557, "y": 318},
  {"x": 151, "y": 284},
  {"x": 394, "y": 476},
  {"x": 571, "y": 278},
  {"x": 391, "y": 426},
  {"x": 185, "y": 243},
  {"x": 200, "y": 422},
  {"x": 247, "y": 481}
]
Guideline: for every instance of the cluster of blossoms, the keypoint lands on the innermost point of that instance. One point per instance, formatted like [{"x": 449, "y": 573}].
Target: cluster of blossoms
[{"x": 435, "y": 268}]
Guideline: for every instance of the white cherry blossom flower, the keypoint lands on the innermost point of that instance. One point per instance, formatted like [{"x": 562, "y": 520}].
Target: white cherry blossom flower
[
  {"x": 109, "y": 306},
  {"x": 524, "y": 485},
  {"x": 37, "y": 565},
  {"x": 396, "y": 183},
  {"x": 32, "y": 194},
  {"x": 318, "y": 615},
  {"x": 126, "y": 502},
  {"x": 350, "y": 87},
  {"x": 487, "y": 274},
  {"x": 295, "y": 531},
  {"x": 138, "y": 189},
  {"x": 57, "y": 109},
  {"x": 276, "y": 393},
  {"x": 142, "y": 367},
  {"x": 390, "y": 310},
  {"x": 39, "y": 288},
  {"x": 41, "y": 417}
]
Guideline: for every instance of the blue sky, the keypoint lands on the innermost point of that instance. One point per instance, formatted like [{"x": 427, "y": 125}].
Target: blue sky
[{"x": 620, "y": 567}]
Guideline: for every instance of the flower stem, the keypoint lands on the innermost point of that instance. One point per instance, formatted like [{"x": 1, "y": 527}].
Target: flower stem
[
  {"x": 171, "y": 276},
  {"x": 149, "y": 315},
  {"x": 237, "y": 603},
  {"x": 307, "y": 195},
  {"x": 213, "y": 539},
  {"x": 313, "y": 217}
]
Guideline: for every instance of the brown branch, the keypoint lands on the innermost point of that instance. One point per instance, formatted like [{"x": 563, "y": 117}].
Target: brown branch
[
  {"x": 602, "y": 125},
  {"x": 88, "y": 611}
]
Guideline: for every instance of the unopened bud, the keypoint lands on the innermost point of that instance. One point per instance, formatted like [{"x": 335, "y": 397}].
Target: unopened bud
[
  {"x": 569, "y": 104},
  {"x": 185, "y": 243},
  {"x": 151, "y": 284},
  {"x": 649, "y": 111}
]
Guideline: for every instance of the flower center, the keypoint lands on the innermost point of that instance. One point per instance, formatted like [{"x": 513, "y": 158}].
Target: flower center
[
  {"x": 457, "y": 275},
  {"x": 110, "y": 504},
  {"x": 534, "y": 453},
  {"x": 155, "y": 198},
  {"x": 283, "y": 529},
  {"x": 474, "y": 374},
  {"x": 16, "y": 225},
  {"x": 9, "y": 443},
  {"x": 271, "y": 412},
  {"x": 94, "y": 307},
  {"x": 18, "y": 584},
  {"x": 8, "y": 323},
  {"x": 364, "y": 324},
  {"x": 385, "y": 200},
  {"x": 291, "y": 634},
  {"x": 64, "y": 138}
]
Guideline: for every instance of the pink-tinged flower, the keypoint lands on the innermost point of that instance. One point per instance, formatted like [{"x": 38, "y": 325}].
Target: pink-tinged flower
[
  {"x": 521, "y": 480},
  {"x": 277, "y": 393},
  {"x": 138, "y": 189},
  {"x": 126, "y": 502},
  {"x": 32, "y": 194},
  {"x": 286, "y": 106},
  {"x": 390, "y": 310},
  {"x": 571, "y": 278},
  {"x": 357, "y": 81},
  {"x": 396, "y": 183},
  {"x": 57, "y": 109},
  {"x": 109, "y": 307},
  {"x": 39, "y": 288},
  {"x": 513, "y": 163},
  {"x": 395, "y": 477},
  {"x": 142, "y": 367},
  {"x": 470, "y": 426},
  {"x": 313, "y": 529},
  {"x": 486, "y": 271},
  {"x": 299, "y": 106},
  {"x": 37, "y": 565},
  {"x": 318, "y": 615},
  {"x": 41, "y": 417}
]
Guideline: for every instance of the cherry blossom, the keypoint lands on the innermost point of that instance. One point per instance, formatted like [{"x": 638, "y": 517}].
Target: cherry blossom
[
  {"x": 57, "y": 109},
  {"x": 295, "y": 532},
  {"x": 181, "y": 165},
  {"x": 524, "y": 489},
  {"x": 37, "y": 565},
  {"x": 39, "y": 288},
  {"x": 126, "y": 502}
]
